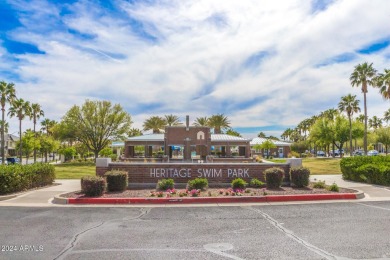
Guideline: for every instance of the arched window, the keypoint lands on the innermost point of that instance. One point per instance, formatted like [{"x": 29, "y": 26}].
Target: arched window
[{"x": 200, "y": 135}]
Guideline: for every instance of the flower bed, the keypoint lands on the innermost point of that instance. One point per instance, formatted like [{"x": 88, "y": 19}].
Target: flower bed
[{"x": 211, "y": 192}]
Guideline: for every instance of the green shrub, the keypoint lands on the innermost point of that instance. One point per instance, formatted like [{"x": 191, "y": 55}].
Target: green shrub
[
  {"x": 165, "y": 184},
  {"x": 93, "y": 185},
  {"x": 300, "y": 176},
  {"x": 274, "y": 177},
  {"x": 255, "y": 183},
  {"x": 198, "y": 184},
  {"x": 370, "y": 169},
  {"x": 319, "y": 185},
  {"x": 333, "y": 187},
  {"x": 239, "y": 184},
  {"x": 116, "y": 180},
  {"x": 16, "y": 177}
]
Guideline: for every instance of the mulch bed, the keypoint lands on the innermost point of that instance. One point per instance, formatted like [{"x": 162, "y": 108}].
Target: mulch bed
[{"x": 212, "y": 192}]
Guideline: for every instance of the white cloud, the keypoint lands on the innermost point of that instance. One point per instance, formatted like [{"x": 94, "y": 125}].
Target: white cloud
[{"x": 192, "y": 55}]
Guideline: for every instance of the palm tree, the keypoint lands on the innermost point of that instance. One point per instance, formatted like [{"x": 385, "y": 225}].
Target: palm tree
[
  {"x": 201, "y": 121},
  {"x": 134, "y": 132},
  {"x": 261, "y": 135},
  {"x": 360, "y": 118},
  {"x": 386, "y": 116},
  {"x": 7, "y": 92},
  {"x": 219, "y": 122},
  {"x": 383, "y": 83},
  {"x": 329, "y": 114},
  {"x": 287, "y": 134},
  {"x": 36, "y": 113},
  {"x": 363, "y": 75},
  {"x": 172, "y": 120},
  {"x": 47, "y": 125},
  {"x": 375, "y": 122},
  {"x": 350, "y": 105},
  {"x": 154, "y": 123},
  {"x": 20, "y": 109}
]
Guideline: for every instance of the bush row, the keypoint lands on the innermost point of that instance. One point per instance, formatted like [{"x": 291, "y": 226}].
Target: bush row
[
  {"x": 369, "y": 169},
  {"x": 16, "y": 177}
]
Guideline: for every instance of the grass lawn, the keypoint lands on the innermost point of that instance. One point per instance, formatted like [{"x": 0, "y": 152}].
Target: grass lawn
[
  {"x": 64, "y": 171},
  {"x": 322, "y": 165}
]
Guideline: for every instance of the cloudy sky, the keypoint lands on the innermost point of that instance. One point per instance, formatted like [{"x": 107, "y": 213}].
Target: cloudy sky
[{"x": 267, "y": 65}]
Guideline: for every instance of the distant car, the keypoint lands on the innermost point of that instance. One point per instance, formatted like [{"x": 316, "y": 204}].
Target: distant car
[
  {"x": 358, "y": 153},
  {"x": 372, "y": 153},
  {"x": 321, "y": 153},
  {"x": 13, "y": 160},
  {"x": 336, "y": 152}
]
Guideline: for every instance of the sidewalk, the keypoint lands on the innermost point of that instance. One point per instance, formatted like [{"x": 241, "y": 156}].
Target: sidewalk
[
  {"x": 372, "y": 192},
  {"x": 42, "y": 197}
]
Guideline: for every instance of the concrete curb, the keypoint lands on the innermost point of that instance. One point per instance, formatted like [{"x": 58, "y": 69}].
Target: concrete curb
[
  {"x": 8, "y": 197},
  {"x": 205, "y": 200}
]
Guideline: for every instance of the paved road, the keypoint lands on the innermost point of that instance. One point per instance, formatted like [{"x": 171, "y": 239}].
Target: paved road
[{"x": 353, "y": 230}]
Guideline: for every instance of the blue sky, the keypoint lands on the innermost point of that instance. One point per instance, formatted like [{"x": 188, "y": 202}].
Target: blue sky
[{"x": 267, "y": 65}]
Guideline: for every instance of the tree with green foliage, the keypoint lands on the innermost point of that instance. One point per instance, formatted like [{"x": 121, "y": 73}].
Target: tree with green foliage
[
  {"x": 69, "y": 152},
  {"x": 28, "y": 144},
  {"x": 20, "y": 109},
  {"x": 106, "y": 152},
  {"x": 386, "y": 116},
  {"x": 64, "y": 131},
  {"x": 154, "y": 123},
  {"x": 350, "y": 105},
  {"x": 134, "y": 132},
  {"x": 98, "y": 122},
  {"x": 383, "y": 136},
  {"x": 383, "y": 83},
  {"x": 48, "y": 126},
  {"x": 267, "y": 145},
  {"x": 375, "y": 123},
  {"x": 219, "y": 122},
  {"x": 364, "y": 76},
  {"x": 172, "y": 120},
  {"x": 48, "y": 145},
  {"x": 202, "y": 121},
  {"x": 232, "y": 132},
  {"x": 36, "y": 113},
  {"x": 300, "y": 147},
  {"x": 7, "y": 95}
]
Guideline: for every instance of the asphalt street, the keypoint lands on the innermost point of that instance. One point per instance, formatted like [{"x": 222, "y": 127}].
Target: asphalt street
[{"x": 347, "y": 230}]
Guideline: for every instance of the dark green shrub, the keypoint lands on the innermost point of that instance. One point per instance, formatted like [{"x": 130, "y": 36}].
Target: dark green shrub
[
  {"x": 333, "y": 187},
  {"x": 198, "y": 184},
  {"x": 93, "y": 185},
  {"x": 165, "y": 184},
  {"x": 16, "y": 177},
  {"x": 255, "y": 183},
  {"x": 300, "y": 176},
  {"x": 239, "y": 184},
  {"x": 274, "y": 177},
  {"x": 319, "y": 185},
  {"x": 116, "y": 180}
]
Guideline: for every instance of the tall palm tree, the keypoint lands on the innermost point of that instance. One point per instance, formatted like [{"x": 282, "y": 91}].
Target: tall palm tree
[
  {"x": 287, "y": 134},
  {"x": 329, "y": 114},
  {"x": 154, "y": 123},
  {"x": 383, "y": 83},
  {"x": 7, "y": 92},
  {"x": 36, "y": 113},
  {"x": 20, "y": 109},
  {"x": 364, "y": 76},
  {"x": 375, "y": 122},
  {"x": 172, "y": 120},
  {"x": 202, "y": 121},
  {"x": 386, "y": 116},
  {"x": 349, "y": 104},
  {"x": 360, "y": 118},
  {"x": 47, "y": 126},
  {"x": 219, "y": 122}
]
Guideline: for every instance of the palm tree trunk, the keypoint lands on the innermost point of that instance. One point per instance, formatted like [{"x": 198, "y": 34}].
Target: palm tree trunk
[
  {"x": 20, "y": 140},
  {"x": 365, "y": 124},
  {"x": 2, "y": 136},
  {"x": 350, "y": 135},
  {"x": 35, "y": 137}
]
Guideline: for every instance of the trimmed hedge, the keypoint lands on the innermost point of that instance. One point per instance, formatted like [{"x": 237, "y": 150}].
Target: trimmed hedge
[
  {"x": 198, "y": 184},
  {"x": 299, "y": 176},
  {"x": 369, "y": 169},
  {"x": 16, "y": 177},
  {"x": 165, "y": 184},
  {"x": 255, "y": 183},
  {"x": 116, "y": 180},
  {"x": 93, "y": 185},
  {"x": 239, "y": 184},
  {"x": 274, "y": 177}
]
